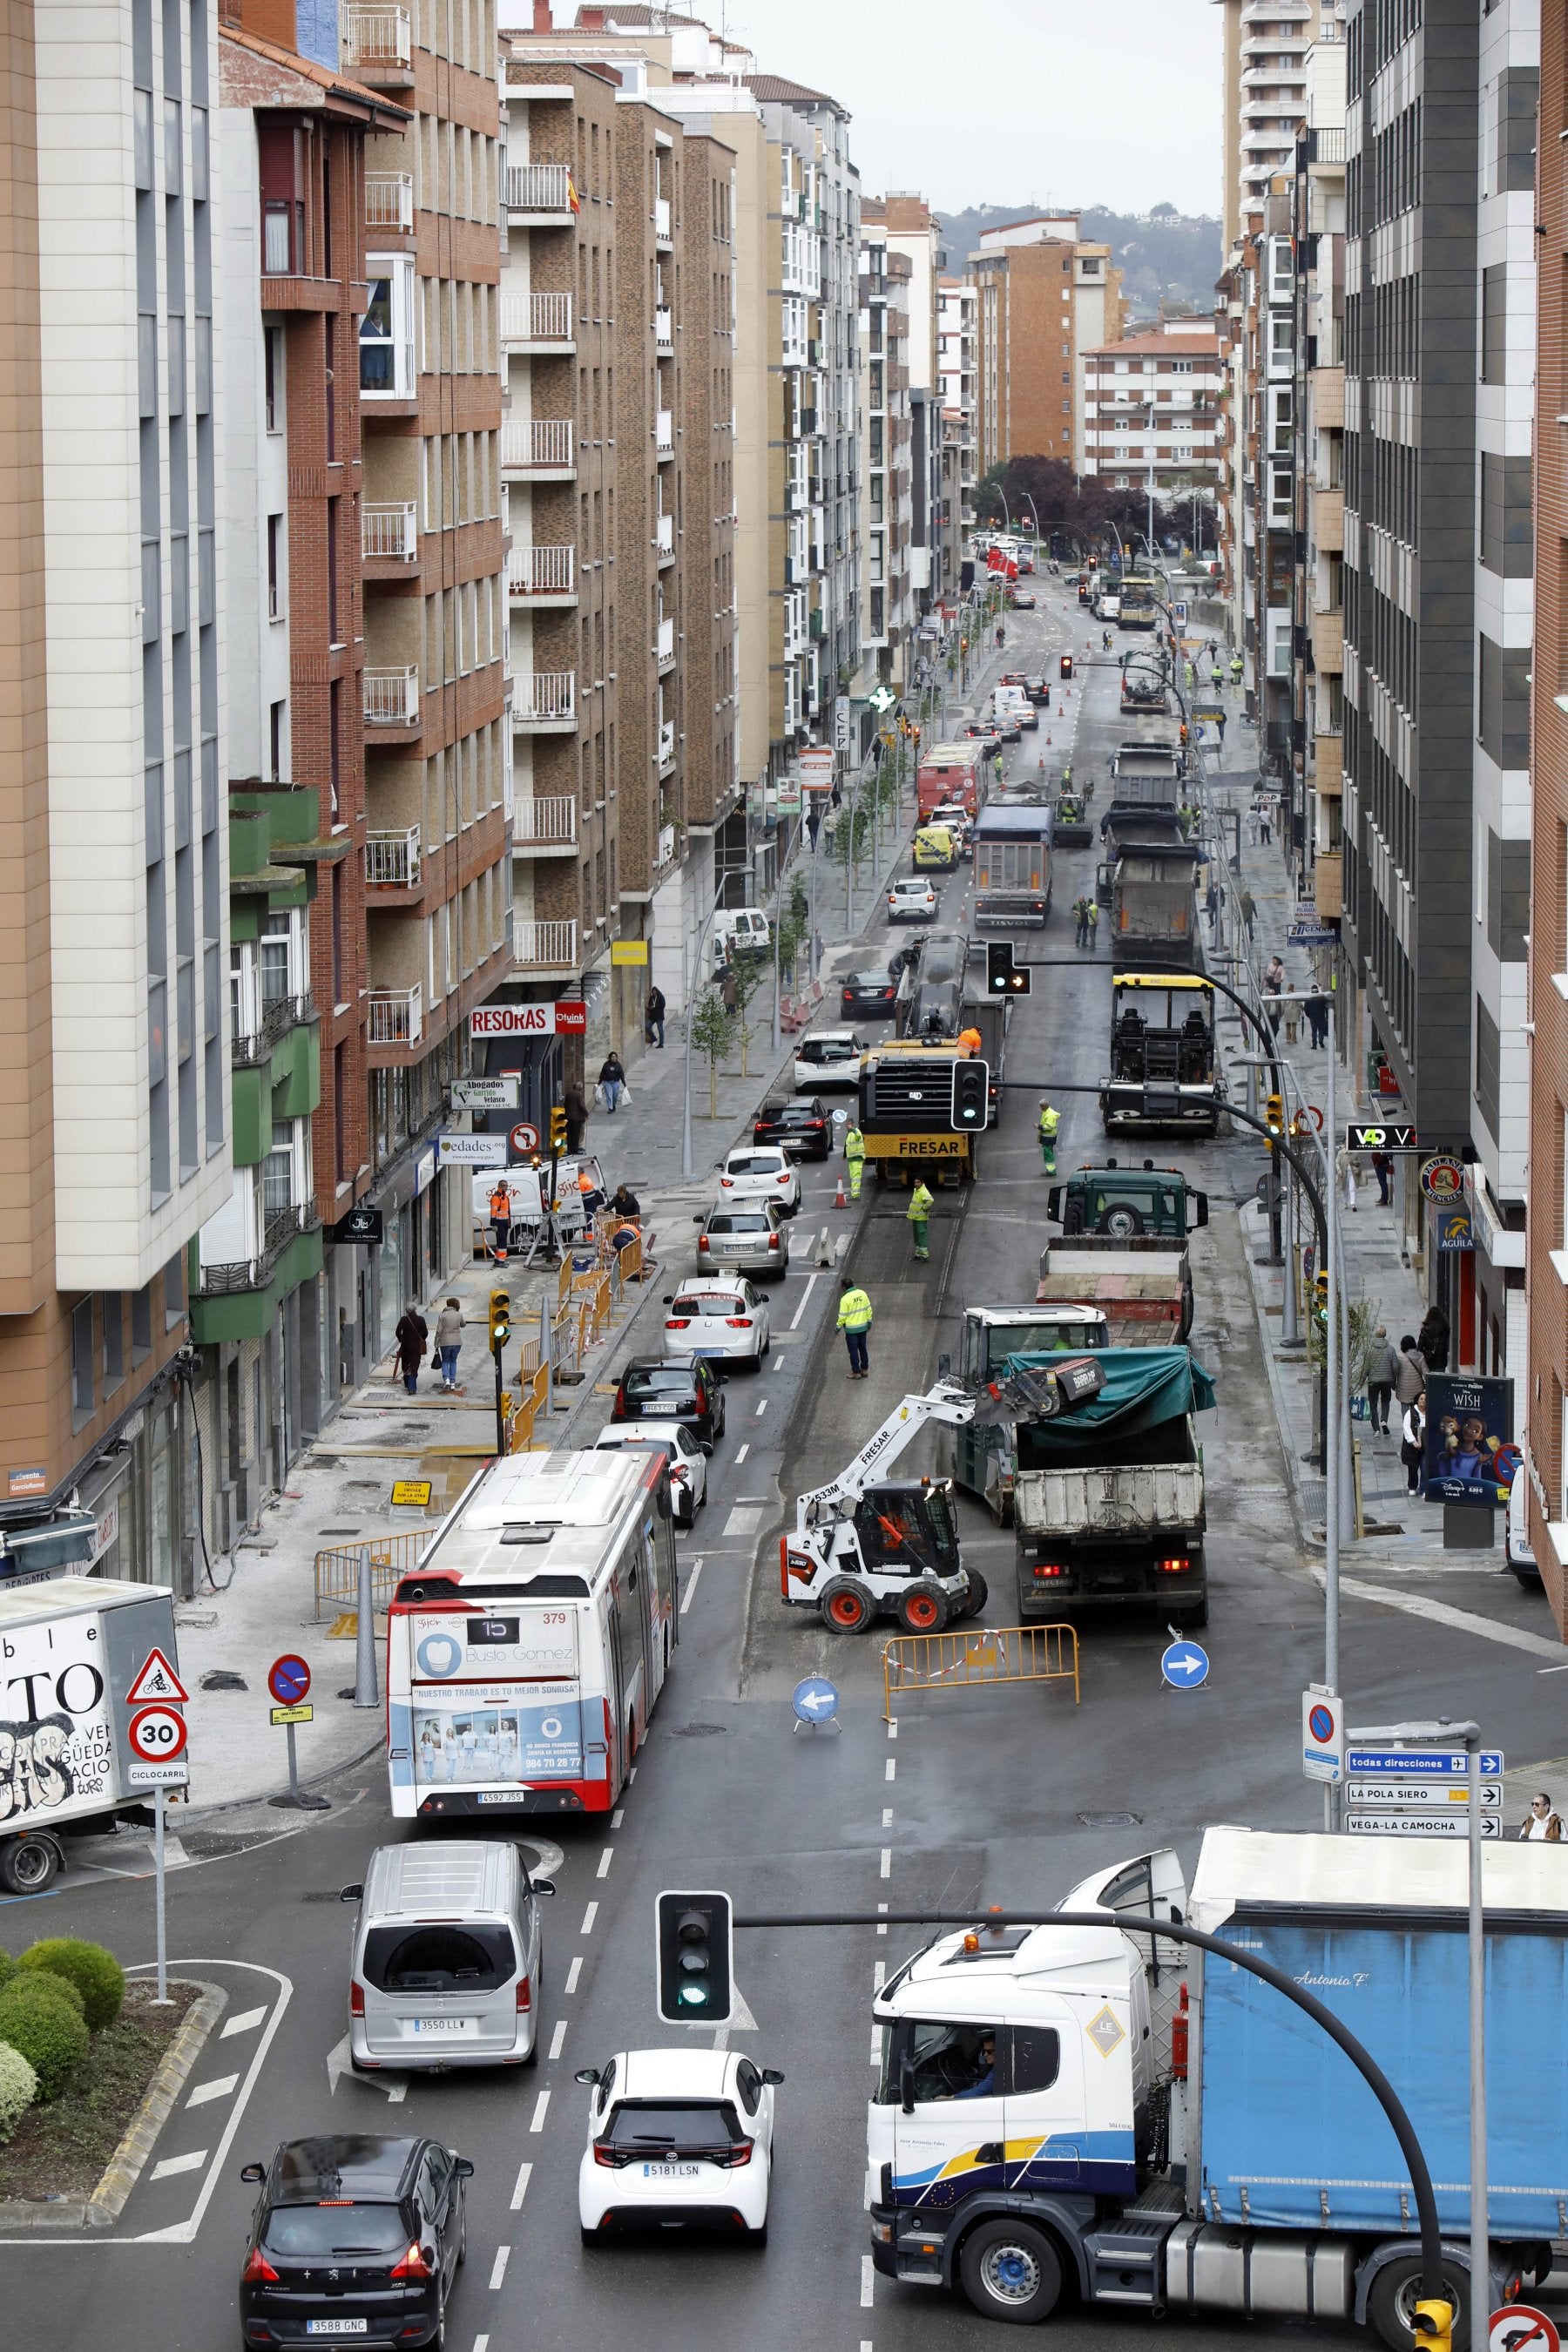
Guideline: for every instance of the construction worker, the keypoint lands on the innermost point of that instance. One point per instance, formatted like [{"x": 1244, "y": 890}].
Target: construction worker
[
  {"x": 855, "y": 1318},
  {"x": 854, "y": 1152},
  {"x": 501, "y": 1219},
  {"x": 1093, "y": 917},
  {"x": 919, "y": 1215},
  {"x": 1080, "y": 917},
  {"x": 1051, "y": 1119},
  {"x": 969, "y": 1039},
  {"x": 1235, "y": 671}
]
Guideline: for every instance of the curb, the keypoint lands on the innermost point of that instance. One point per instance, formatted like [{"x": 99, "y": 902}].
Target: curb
[
  {"x": 125, "y": 2167},
  {"x": 307, "y": 1780}
]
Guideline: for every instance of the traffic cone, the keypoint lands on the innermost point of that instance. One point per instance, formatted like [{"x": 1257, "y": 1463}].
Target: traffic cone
[{"x": 840, "y": 1198}]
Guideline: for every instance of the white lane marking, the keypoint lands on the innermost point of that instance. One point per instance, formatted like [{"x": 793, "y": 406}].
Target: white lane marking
[
  {"x": 876, "y": 2057},
  {"x": 183, "y": 2232},
  {"x": 589, "y": 1916},
  {"x": 893, "y": 1727},
  {"x": 525, "y": 2175},
  {"x": 778, "y": 1363},
  {"x": 173, "y": 2163},
  {"x": 883, "y": 1928},
  {"x": 690, "y": 1586},
  {"x": 340, "y": 2061},
  {"x": 740, "y": 1454},
  {"x": 245, "y": 2023},
  {"x": 761, "y": 1410},
  {"x": 572, "y": 1973},
  {"x": 743, "y": 1520},
  {"x": 866, "y": 2275},
  {"x": 879, "y": 1976},
  {"x": 811, "y": 1282},
  {"x": 541, "y": 2106},
  {"x": 631, "y": 1776},
  {"x": 497, "y": 2268},
  {"x": 1462, "y": 1621},
  {"x": 219, "y": 2088},
  {"x": 556, "y": 2039},
  {"x": 482, "y": 2344},
  {"x": 887, "y": 1822},
  {"x": 892, "y": 1771},
  {"x": 618, "y": 1817},
  {"x": 605, "y": 1861},
  {"x": 887, "y": 1862}
]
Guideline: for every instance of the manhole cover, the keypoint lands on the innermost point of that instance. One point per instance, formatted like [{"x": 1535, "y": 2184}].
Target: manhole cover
[
  {"x": 1111, "y": 1820},
  {"x": 221, "y": 1679},
  {"x": 701, "y": 1731}
]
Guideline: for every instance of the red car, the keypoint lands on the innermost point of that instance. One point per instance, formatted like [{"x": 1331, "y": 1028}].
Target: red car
[{"x": 803, "y": 1127}]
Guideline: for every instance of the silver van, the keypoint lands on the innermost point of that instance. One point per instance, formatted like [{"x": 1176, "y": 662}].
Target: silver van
[{"x": 447, "y": 1958}]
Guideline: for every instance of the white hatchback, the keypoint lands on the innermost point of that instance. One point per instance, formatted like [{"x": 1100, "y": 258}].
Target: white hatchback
[
  {"x": 687, "y": 1463},
  {"x": 913, "y": 899},
  {"x": 726, "y": 1320},
  {"x": 760, "y": 1171},
  {"x": 827, "y": 1061},
  {"x": 677, "y": 2137}
]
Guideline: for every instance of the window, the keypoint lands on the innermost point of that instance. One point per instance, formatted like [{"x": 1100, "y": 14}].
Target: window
[
  {"x": 82, "y": 1391},
  {"x": 113, "y": 1308},
  {"x": 142, "y": 1324},
  {"x": 277, "y": 243},
  {"x": 1494, "y": 324},
  {"x": 386, "y": 335},
  {"x": 275, "y": 603},
  {"x": 277, "y": 1171},
  {"x": 1503, "y": 717},
  {"x": 274, "y": 362},
  {"x": 175, "y": 1291}
]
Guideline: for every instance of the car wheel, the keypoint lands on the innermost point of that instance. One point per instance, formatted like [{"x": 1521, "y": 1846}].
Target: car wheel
[
  {"x": 924, "y": 1608},
  {"x": 1010, "y": 2270},
  {"x": 767, "y": 1349},
  {"x": 463, "y": 2240},
  {"x": 1122, "y": 1223},
  {"x": 846, "y": 1607}
]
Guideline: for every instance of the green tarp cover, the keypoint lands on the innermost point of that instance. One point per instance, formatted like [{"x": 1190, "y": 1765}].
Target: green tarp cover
[{"x": 1143, "y": 1386}]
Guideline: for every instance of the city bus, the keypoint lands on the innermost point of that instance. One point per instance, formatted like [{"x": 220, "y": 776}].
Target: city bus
[{"x": 527, "y": 1651}]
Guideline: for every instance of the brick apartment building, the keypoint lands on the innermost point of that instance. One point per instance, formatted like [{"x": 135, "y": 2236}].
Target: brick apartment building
[
  {"x": 1045, "y": 301},
  {"x": 1152, "y": 412}
]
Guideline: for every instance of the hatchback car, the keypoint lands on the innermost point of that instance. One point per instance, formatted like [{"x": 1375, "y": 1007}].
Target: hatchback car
[
  {"x": 760, "y": 1172},
  {"x": 912, "y": 898},
  {"x": 354, "y": 2237},
  {"x": 1039, "y": 691},
  {"x": 725, "y": 1320},
  {"x": 751, "y": 1238},
  {"x": 803, "y": 1127},
  {"x": 672, "y": 1388},
  {"x": 678, "y": 2137},
  {"x": 687, "y": 1463},
  {"x": 869, "y": 996},
  {"x": 1022, "y": 600},
  {"x": 829, "y": 1060}
]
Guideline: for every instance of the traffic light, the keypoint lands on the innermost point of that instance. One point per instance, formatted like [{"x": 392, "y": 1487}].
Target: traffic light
[
  {"x": 1003, "y": 976},
  {"x": 1067, "y": 664},
  {"x": 971, "y": 1096},
  {"x": 1321, "y": 1300},
  {"x": 1434, "y": 2330},
  {"x": 695, "y": 1947},
  {"x": 1274, "y": 1115},
  {"x": 557, "y": 1131},
  {"x": 500, "y": 1320}
]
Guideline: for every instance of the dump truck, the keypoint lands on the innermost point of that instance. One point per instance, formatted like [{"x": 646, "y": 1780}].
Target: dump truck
[
  {"x": 984, "y": 1455},
  {"x": 1113, "y": 1511},
  {"x": 1012, "y": 844},
  {"x": 1123, "y": 1246},
  {"x": 948, "y": 772},
  {"x": 1154, "y": 894}
]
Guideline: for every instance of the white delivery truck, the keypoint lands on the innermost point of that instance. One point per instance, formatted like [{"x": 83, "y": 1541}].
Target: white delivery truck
[{"x": 73, "y": 1651}]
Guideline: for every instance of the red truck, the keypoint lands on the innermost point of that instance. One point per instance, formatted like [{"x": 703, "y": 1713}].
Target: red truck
[{"x": 950, "y": 773}]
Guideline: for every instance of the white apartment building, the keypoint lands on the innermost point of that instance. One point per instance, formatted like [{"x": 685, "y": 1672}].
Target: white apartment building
[
  {"x": 1265, "y": 48},
  {"x": 888, "y": 489},
  {"x": 1151, "y": 413}
]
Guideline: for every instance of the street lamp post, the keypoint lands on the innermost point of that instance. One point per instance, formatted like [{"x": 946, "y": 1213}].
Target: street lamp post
[{"x": 687, "y": 1167}]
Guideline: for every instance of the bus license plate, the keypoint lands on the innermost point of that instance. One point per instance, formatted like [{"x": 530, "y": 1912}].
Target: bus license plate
[{"x": 497, "y": 1797}]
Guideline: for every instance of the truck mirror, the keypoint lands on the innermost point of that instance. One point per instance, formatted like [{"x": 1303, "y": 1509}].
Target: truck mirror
[
  {"x": 943, "y": 1367},
  {"x": 351, "y": 1894},
  {"x": 1054, "y": 1205},
  {"x": 1201, "y": 1205},
  {"x": 907, "y": 2084}
]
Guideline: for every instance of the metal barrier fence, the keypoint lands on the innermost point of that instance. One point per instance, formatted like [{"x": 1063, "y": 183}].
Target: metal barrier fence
[
  {"x": 391, "y": 1557},
  {"x": 976, "y": 1655}
]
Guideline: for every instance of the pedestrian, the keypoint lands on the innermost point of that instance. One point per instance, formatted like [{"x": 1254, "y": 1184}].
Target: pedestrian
[
  {"x": 1252, "y": 828},
  {"x": 612, "y": 1078},
  {"x": 1292, "y": 1021},
  {"x": 1383, "y": 1169},
  {"x": 1049, "y": 1120},
  {"x": 1410, "y": 1373},
  {"x": 1317, "y": 1011},
  {"x": 830, "y": 827},
  {"x": 1348, "y": 1177},
  {"x": 1080, "y": 916},
  {"x": 855, "y": 1153},
  {"x": 1264, "y": 821},
  {"x": 1541, "y": 1823},
  {"x": 576, "y": 1111},
  {"x": 1235, "y": 671},
  {"x": 501, "y": 1219},
  {"x": 814, "y": 823},
  {"x": 1433, "y": 1341},
  {"x": 1273, "y": 982},
  {"x": 624, "y": 1201},
  {"x": 919, "y": 1215},
  {"x": 1211, "y": 904},
  {"x": 411, "y": 1335},
  {"x": 653, "y": 1018},
  {"x": 855, "y": 1318},
  {"x": 1248, "y": 909},
  {"x": 589, "y": 1195},
  {"x": 1383, "y": 1374},
  {"x": 1093, "y": 919},
  {"x": 1413, "y": 1442},
  {"x": 448, "y": 1340}
]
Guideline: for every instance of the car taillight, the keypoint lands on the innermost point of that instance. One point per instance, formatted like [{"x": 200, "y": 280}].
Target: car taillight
[
  {"x": 728, "y": 1183},
  {"x": 1178, "y": 2024},
  {"x": 676, "y": 1475},
  {"x": 772, "y": 1240},
  {"x": 676, "y": 1322},
  {"x": 1177, "y": 1566},
  {"x": 257, "y": 2270},
  {"x": 740, "y": 2153},
  {"x": 413, "y": 2264},
  {"x": 738, "y": 1322},
  {"x": 525, "y": 1993},
  {"x": 619, "y": 1406},
  {"x": 701, "y": 1242},
  {"x": 356, "y": 1999},
  {"x": 612, "y": 2158},
  {"x": 1049, "y": 1568}
]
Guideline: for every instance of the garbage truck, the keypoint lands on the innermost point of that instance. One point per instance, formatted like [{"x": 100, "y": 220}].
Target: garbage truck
[{"x": 1107, "y": 2115}]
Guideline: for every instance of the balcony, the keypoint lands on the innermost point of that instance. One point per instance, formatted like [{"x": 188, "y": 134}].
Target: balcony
[
  {"x": 1328, "y": 395},
  {"x": 545, "y": 701},
  {"x": 248, "y": 1047},
  {"x": 392, "y": 697},
  {"x": 396, "y": 1017},
  {"x": 1326, "y": 146},
  {"x": 545, "y": 825},
  {"x": 666, "y": 747},
  {"x": 538, "y": 448},
  {"x": 392, "y": 859},
  {"x": 389, "y": 531},
  {"x": 661, "y": 234},
  {"x": 389, "y": 200},
  {"x": 544, "y": 947},
  {"x": 664, "y": 646},
  {"x": 664, "y": 538},
  {"x": 1329, "y": 641},
  {"x": 1328, "y": 512},
  {"x": 1331, "y": 764},
  {"x": 283, "y": 1227},
  {"x": 538, "y": 195},
  {"x": 543, "y": 576},
  {"x": 664, "y": 330},
  {"x": 536, "y": 322},
  {"x": 663, "y": 434},
  {"x": 379, "y": 42},
  {"x": 1328, "y": 883}
]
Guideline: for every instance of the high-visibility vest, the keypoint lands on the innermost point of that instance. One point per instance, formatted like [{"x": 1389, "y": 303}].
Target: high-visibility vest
[
  {"x": 500, "y": 1201},
  {"x": 920, "y": 1204},
  {"x": 854, "y": 1145},
  {"x": 1051, "y": 1119},
  {"x": 854, "y": 1311}
]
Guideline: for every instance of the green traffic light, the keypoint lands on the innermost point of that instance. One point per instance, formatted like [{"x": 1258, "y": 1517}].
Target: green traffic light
[{"x": 694, "y": 1996}]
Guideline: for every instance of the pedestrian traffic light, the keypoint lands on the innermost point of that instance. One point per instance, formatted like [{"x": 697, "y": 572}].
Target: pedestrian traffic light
[
  {"x": 500, "y": 1318},
  {"x": 557, "y": 1130},
  {"x": 1274, "y": 1115},
  {"x": 971, "y": 1096},
  {"x": 1434, "y": 2330},
  {"x": 695, "y": 1946},
  {"x": 1003, "y": 976}
]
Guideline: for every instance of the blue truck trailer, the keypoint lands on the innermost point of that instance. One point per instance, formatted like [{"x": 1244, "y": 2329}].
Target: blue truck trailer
[{"x": 1100, "y": 2114}]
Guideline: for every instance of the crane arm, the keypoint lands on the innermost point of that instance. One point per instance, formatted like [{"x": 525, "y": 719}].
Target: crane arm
[{"x": 946, "y": 1402}]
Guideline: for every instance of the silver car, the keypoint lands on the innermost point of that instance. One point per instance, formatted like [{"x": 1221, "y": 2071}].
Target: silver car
[
  {"x": 750, "y": 1237},
  {"x": 447, "y": 1949}
]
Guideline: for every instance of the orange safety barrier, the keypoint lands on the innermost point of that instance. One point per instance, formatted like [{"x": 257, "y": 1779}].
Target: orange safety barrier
[
  {"x": 391, "y": 1557},
  {"x": 978, "y": 1654}
]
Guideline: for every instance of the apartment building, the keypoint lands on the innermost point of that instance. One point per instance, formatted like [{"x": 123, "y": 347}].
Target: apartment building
[
  {"x": 959, "y": 385},
  {"x": 1265, "y": 52},
  {"x": 910, "y": 228},
  {"x": 1045, "y": 299},
  {"x": 1151, "y": 413},
  {"x": 888, "y": 493},
  {"x": 1540, "y": 1397},
  {"x": 113, "y": 719}
]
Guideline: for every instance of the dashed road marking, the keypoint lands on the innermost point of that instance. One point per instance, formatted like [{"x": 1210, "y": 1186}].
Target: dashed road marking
[
  {"x": 605, "y": 1861},
  {"x": 217, "y": 2089},
  {"x": 879, "y": 1976},
  {"x": 572, "y": 1973},
  {"x": 886, "y": 1822},
  {"x": 892, "y": 1771},
  {"x": 525, "y": 2174},
  {"x": 893, "y": 1726},
  {"x": 497, "y": 2268},
  {"x": 192, "y": 2161},
  {"x": 743, "y": 1520},
  {"x": 875, "y": 2056},
  {"x": 883, "y": 1928},
  {"x": 556, "y": 2039},
  {"x": 690, "y": 1586},
  {"x": 541, "y": 2108},
  {"x": 740, "y": 1454},
  {"x": 887, "y": 1862},
  {"x": 245, "y": 2023},
  {"x": 589, "y": 1916},
  {"x": 867, "y": 2275},
  {"x": 618, "y": 1817},
  {"x": 761, "y": 1410}
]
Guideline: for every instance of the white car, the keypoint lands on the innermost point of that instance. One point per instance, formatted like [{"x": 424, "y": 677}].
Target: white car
[
  {"x": 913, "y": 899},
  {"x": 725, "y": 1319},
  {"x": 829, "y": 1061},
  {"x": 677, "y": 2135},
  {"x": 687, "y": 1463},
  {"x": 760, "y": 1171}
]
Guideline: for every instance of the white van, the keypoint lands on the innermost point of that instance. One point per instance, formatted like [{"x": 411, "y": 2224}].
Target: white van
[
  {"x": 1517, "y": 1548},
  {"x": 1011, "y": 703},
  {"x": 741, "y": 927},
  {"x": 446, "y": 1952}
]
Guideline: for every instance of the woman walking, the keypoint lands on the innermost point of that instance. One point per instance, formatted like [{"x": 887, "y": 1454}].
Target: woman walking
[
  {"x": 411, "y": 1335},
  {"x": 612, "y": 1078},
  {"x": 448, "y": 1340},
  {"x": 1413, "y": 1442}
]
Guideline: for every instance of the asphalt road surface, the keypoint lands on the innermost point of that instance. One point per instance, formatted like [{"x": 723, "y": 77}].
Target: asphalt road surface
[{"x": 1007, "y": 1794}]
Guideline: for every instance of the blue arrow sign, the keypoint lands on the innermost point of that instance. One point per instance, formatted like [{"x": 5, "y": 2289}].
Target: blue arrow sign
[
  {"x": 816, "y": 1700},
  {"x": 1185, "y": 1665},
  {"x": 1423, "y": 1763}
]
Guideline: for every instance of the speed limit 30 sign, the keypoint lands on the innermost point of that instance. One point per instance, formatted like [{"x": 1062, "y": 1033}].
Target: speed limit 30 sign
[{"x": 157, "y": 1735}]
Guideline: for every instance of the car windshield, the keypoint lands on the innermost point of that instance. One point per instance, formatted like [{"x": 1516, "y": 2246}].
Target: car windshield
[
  {"x": 740, "y": 1221},
  {"x": 336, "y": 2229},
  {"x": 439, "y": 1957},
  {"x": 680, "y": 2124},
  {"x": 659, "y": 1379}
]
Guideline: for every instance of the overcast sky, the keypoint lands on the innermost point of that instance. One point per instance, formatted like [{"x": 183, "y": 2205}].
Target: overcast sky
[{"x": 1005, "y": 101}]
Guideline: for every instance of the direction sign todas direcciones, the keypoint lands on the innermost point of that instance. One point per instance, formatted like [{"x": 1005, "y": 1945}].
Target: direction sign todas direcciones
[
  {"x": 288, "y": 1680},
  {"x": 1423, "y": 1763},
  {"x": 1185, "y": 1665}
]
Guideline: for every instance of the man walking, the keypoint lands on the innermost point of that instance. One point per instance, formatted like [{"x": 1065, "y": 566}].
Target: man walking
[
  {"x": 1051, "y": 1119},
  {"x": 1080, "y": 916},
  {"x": 500, "y": 1220},
  {"x": 1093, "y": 920},
  {"x": 919, "y": 1215},
  {"x": 855, "y": 1153},
  {"x": 855, "y": 1321},
  {"x": 1248, "y": 906},
  {"x": 410, "y": 1335},
  {"x": 1317, "y": 1011},
  {"x": 1380, "y": 1377},
  {"x": 576, "y": 1111},
  {"x": 1383, "y": 1169},
  {"x": 653, "y": 1018}
]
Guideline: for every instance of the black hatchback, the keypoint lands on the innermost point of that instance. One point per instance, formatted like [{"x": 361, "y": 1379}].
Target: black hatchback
[
  {"x": 355, "y": 2238},
  {"x": 802, "y": 1128},
  {"x": 869, "y": 995},
  {"x": 673, "y": 1388}
]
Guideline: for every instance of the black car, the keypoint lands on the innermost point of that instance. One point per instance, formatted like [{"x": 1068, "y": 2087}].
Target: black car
[
  {"x": 1039, "y": 691},
  {"x": 670, "y": 1387},
  {"x": 354, "y": 2239},
  {"x": 802, "y": 1127},
  {"x": 869, "y": 996}
]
